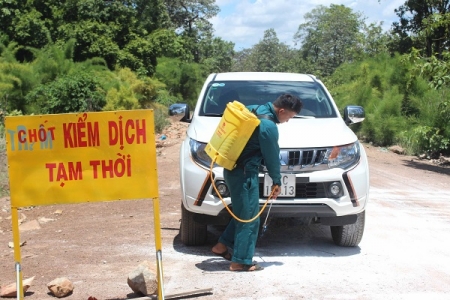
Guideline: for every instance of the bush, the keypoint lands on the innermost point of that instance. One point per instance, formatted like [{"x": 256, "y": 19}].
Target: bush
[
  {"x": 121, "y": 99},
  {"x": 382, "y": 130},
  {"x": 166, "y": 99},
  {"x": 399, "y": 108},
  {"x": 183, "y": 80},
  {"x": 425, "y": 140},
  {"x": 429, "y": 129},
  {"x": 72, "y": 93},
  {"x": 161, "y": 117}
]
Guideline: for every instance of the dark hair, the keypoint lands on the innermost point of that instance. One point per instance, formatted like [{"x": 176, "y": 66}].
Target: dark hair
[{"x": 289, "y": 102}]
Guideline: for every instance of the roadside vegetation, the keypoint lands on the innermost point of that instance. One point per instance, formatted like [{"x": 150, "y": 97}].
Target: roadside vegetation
[{"x": 100, "y": 55}]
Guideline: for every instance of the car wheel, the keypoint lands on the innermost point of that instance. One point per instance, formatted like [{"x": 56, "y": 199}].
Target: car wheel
[
  {"x": 349, "y": 235},
  {"x": 191, "y": 232}
]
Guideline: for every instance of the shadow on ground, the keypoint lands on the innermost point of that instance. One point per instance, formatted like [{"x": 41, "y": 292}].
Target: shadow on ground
[
  {"x": 426, "y": 167},
  {"x": 283, "y": 237}
]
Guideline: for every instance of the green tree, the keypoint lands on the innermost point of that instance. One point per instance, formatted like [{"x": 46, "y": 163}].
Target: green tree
[
  {"x": 168, "y": 44},
  {"x": 25, "y": 22},
  {"x": 329, "y": 36},
  {"x": 117, "y": 31},
  {"x": 183, "y": 80},
  {"x": 216, "y": 54},
  {"x": 16, "y": 79},
  {"x": 151, "y": 15},
  {"x": 415, "y": 16},
  {"x": 25, "y": 85},
  {"x": 187, "y": 15},
  {"x": 268, "y": 55},
  {"x": 374, "y": 40},
  {"x": 191, "y": 19}
]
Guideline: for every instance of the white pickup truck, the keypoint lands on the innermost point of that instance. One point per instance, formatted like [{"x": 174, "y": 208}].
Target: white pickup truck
[{"x": 324, "y": 167}]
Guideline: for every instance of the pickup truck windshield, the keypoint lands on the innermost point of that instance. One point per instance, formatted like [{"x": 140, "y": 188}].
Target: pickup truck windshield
[{"x": 315, "y": 101}]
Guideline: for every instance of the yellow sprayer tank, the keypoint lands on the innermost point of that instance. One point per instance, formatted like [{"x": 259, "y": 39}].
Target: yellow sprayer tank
[{"x": 231, "y": 135}]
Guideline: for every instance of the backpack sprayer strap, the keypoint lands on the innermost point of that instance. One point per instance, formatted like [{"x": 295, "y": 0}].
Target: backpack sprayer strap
[
  {"x": 262, "y": 116},
  {"x": 242, "y": 159}
]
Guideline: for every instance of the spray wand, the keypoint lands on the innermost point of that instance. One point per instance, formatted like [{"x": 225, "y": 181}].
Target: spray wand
[{"x": 264, "y": 228}]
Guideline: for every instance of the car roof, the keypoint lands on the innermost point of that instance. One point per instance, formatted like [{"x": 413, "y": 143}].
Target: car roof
[{"x": 273, "y": 76}]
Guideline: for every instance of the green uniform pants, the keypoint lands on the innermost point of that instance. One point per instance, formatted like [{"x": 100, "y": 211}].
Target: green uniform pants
[{"x": 241, "y": 237}]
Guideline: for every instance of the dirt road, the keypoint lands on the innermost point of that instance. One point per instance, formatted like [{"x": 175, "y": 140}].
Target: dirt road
[{"x": 402, "y": 254}]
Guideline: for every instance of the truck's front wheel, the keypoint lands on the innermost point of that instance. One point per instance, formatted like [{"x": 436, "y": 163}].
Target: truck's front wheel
[
  {"x": 191, "y": 232},
  {"x": 349, "y": 235}
]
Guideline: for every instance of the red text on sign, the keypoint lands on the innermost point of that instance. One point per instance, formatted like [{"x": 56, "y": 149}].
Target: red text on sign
[
  {"x": 61, "y": 171},
  {"x": 129, "y": 131},
  {"x": 81, "y": 134},
  {"x": 111, "y": 168}
]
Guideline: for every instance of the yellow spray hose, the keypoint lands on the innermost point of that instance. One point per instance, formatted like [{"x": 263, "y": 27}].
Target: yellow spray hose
[{"x": 226, "y": 206}]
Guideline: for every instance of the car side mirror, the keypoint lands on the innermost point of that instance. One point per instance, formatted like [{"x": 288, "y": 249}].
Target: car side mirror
[
  {"x": 354, "y": 114},
  {"x": 187, "y": 115}
]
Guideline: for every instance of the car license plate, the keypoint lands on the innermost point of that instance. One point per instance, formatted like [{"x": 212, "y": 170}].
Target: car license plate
[{"x": 287, "y": 185}]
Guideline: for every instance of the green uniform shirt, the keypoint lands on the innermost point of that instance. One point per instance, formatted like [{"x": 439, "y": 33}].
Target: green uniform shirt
[{"x": 263, "y": 144}]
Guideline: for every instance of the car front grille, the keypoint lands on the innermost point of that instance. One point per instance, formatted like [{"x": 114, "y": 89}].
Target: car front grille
[
  {"x": 303, "y": 157},
  {"x": 303, "y": 160}
]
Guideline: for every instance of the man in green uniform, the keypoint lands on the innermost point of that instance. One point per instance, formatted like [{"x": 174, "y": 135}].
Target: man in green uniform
[{"x": 244, "y": 184}]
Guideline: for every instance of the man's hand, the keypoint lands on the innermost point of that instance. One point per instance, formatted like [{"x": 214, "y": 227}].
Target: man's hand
[{"x": 276, "y": 190}]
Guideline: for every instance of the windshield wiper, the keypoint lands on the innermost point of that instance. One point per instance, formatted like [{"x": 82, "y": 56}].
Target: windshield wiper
[
  {"x": 212, "y": 115},
  {"x": 304, "y": 117}
]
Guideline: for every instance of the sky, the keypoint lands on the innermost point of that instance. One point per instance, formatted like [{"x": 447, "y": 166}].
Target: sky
[{"x": 243, "y": 22}]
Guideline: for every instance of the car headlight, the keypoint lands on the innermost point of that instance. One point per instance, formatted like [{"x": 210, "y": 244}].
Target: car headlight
[
  {"x": 198, "y": 153},
  {"x": 343, "y": 156}
]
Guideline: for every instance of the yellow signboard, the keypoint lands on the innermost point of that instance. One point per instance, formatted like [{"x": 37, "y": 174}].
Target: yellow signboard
[{"x": 86, "y": 157}]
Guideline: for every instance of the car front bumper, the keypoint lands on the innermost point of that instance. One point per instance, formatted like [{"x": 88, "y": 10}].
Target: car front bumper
[{"x": 311, "y": 198}]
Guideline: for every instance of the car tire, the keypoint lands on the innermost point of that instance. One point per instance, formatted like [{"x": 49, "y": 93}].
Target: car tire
[
  {"x": 191, "y": 232},
  {"x": 349, "y": 235}
]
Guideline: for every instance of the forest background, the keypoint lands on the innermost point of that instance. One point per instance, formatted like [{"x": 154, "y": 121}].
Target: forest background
[{"x": 97, "y": 55}]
